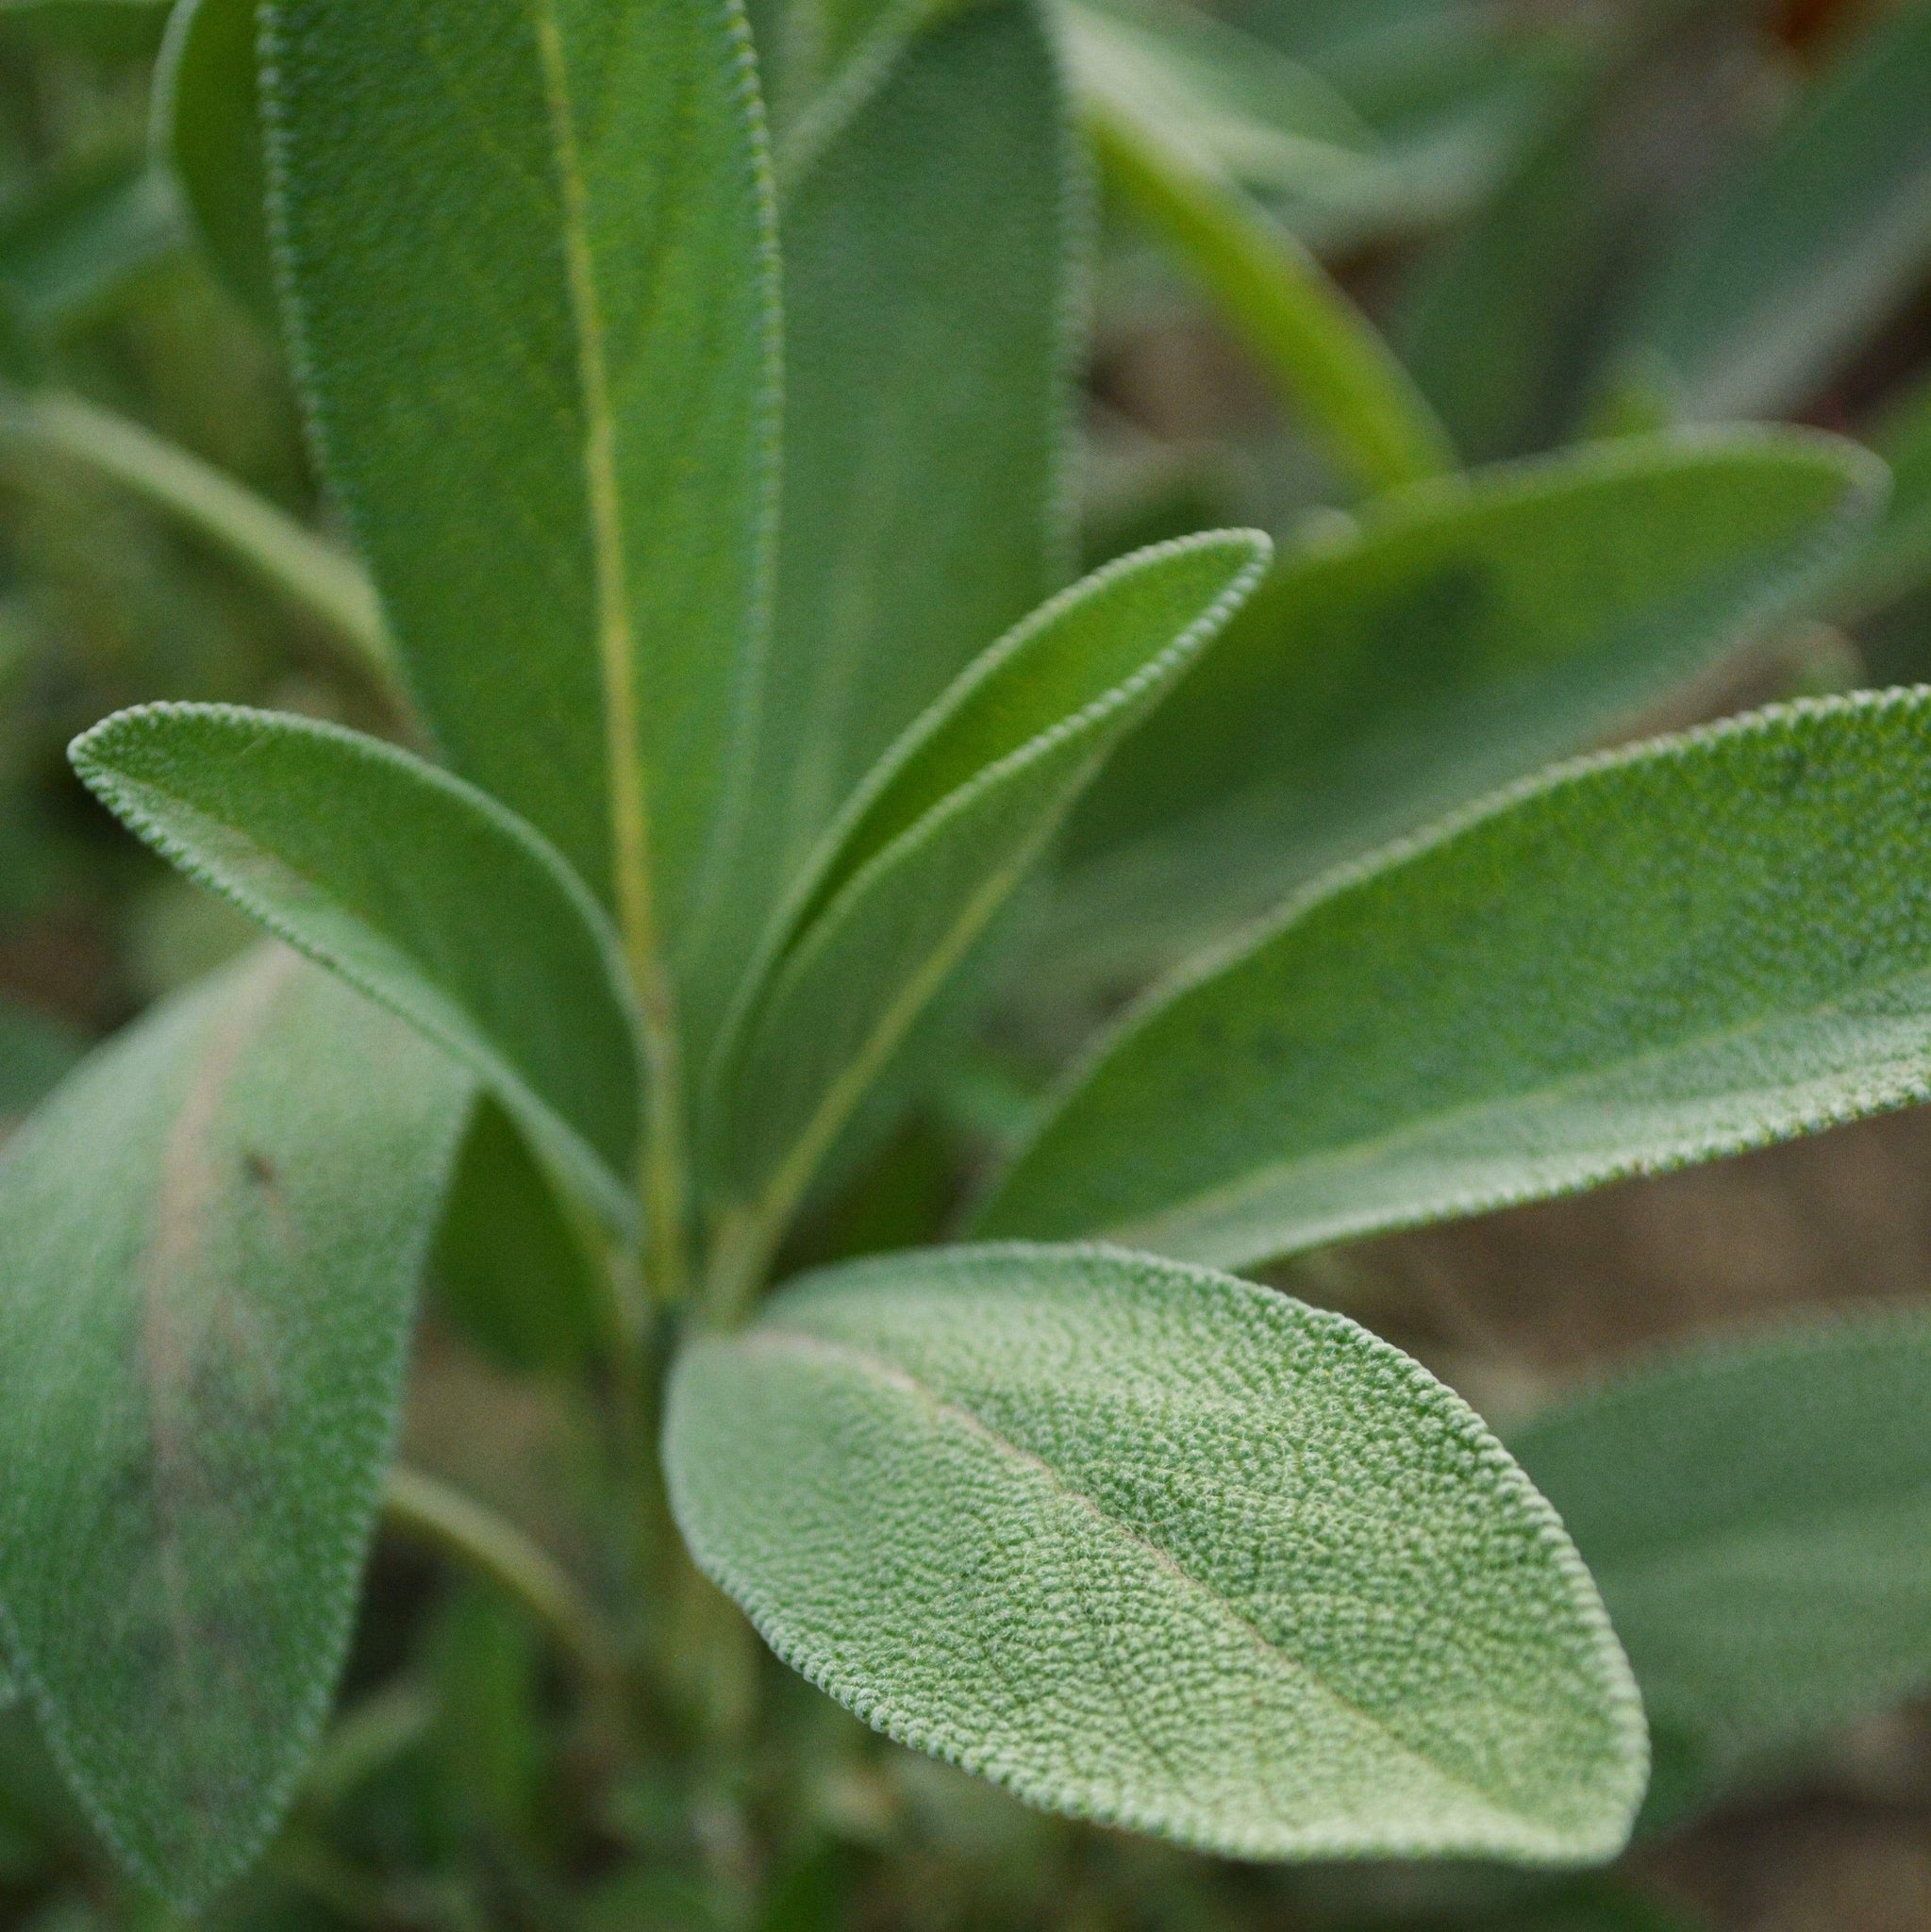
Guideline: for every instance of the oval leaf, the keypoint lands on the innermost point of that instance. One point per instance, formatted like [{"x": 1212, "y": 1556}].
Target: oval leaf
[
  {"x": 1154, "y": 1547},
  {"x": 929, "y": 348},
  {"x": 940, "y": 834},
  {"x": 207, "y": 129},
  {"x": 1452, "y": 641},
  {"x": 1654, "y": 957},
  {"x": 1800, "y": 257},
  {"x": 532, "y": 295},
  {"x": 210, "y": 1238},
  {"x": 1758, "y": 1512},
  {"x": 414, "y": 886}
]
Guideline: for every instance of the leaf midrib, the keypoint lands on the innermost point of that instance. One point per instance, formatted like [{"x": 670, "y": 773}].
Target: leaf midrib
[
  {"x": 663, "y": 1163},
  {"x": 616, "y": 639},
  {"x": 890, "y": 1375}
]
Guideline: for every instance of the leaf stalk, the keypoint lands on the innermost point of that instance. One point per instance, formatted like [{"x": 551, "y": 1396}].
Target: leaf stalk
[
  {"x": 311, "y": 571},
  {"x": 436, "y": 1513},
  {"x": 1330, "y": 364}
]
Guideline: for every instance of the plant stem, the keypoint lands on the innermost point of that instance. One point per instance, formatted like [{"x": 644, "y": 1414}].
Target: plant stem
[
  {"x": 458, "y": 1525},
  {"x": 307, "y": 570},
  {"x": 664, "y": 1183},
  {"x": 1328, "y": 361},
  {"x": 373, "y": 1734}
]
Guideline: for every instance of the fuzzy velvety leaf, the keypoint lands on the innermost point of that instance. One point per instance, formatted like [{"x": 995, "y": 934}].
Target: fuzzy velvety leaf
[
  {"x": 927, "y": 324},
  {"x": 1455, "y": 639},
  {"x": 210, "y": 1238},
  {"x": 936, "y": 839},
  {"x": 1799, "y": 258},
  {"x": 532, "y": 279},
  {"x": 1650, "y": 958},
  {"x": 418, "y": 888},
  {"x": 207, "y": 126},
  {"x": 1154, "y": 1547},
  {"x": 1758, "y": 1512}
]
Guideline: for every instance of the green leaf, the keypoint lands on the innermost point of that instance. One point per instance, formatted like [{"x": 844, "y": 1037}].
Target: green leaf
[
  {"x": 419, "y": 889},
  {"x": 1649, "y": 959},
  {"x": 210, "y": 1238},
  {"x": 820, "y": 62},
  {"x": 308, "y": 571},
  {"x": 207, "y": 129},
  {"x": 1451, "y": 641},
  {"x": 74, "y": 240},
  {"x": 1893, "y": 560},
  {"x": 1797, "y": 260},
  {"x": 1757, "y": 1513},
  {"x": 112, "y": 28},
  {"x": 510, "y": 1267},
  {"x": 929, "y": 343},
  {"x": 1497, "y": 325},
  {"x": 936, "y": 839},
  {"x": 1224, "y": 94},
  {"x": 1456, "y": 94},
  {"x": 1153, "y": 1546},
  {"x": 1330, "y": 365},
  {"x": 532, "y": 285}
]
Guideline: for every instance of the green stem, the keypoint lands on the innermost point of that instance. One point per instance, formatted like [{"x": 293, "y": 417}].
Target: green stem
[
  {"x": 740, "y": 1253},
  {"x": 307, "y": 570},
  {"x": 1330, "y": 364},
  {"x": 374, "y": 1734},
  {"x": 430, "y": 1509}
]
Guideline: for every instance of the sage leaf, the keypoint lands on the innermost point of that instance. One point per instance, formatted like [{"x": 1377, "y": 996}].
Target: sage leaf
[
  {"x": 1450, "y": 642},
  {"x": 1220, "y": 92},
  {"x": 1328, "y": 361},
  {"x": 1652, "y": 957},
  {"x": 1893, "y": 559},
  {"x": 928, "y": 353},
  {"x": 1756, "y": 1510},
  {"x": 936, "y": 839},
  {"x": 210, "y": 1238},
  {"x": 532, "y": 283},
  {"x": 1796, "y": 260},
  {"x": 1150, "y": 1545},
  {"x": 1455, "y": 95},
  {"x": 1501, "y": 313},
  {"x": 820, "y": 66},
  {"x": 416, "y": 888},
  {"x": 207, "y": 129},
  {"x": 510, "y": 1267}
]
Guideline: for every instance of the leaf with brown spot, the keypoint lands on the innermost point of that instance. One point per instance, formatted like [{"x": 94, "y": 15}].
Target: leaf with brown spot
[{"x": 210, "y": 1238}]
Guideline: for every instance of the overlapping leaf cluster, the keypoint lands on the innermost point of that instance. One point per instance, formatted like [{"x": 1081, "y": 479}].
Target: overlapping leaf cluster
[{"x": 694, "y": 392}]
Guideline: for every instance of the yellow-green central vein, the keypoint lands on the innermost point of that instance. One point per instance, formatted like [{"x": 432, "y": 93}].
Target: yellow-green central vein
[{"x": 663, "y": 1161}]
